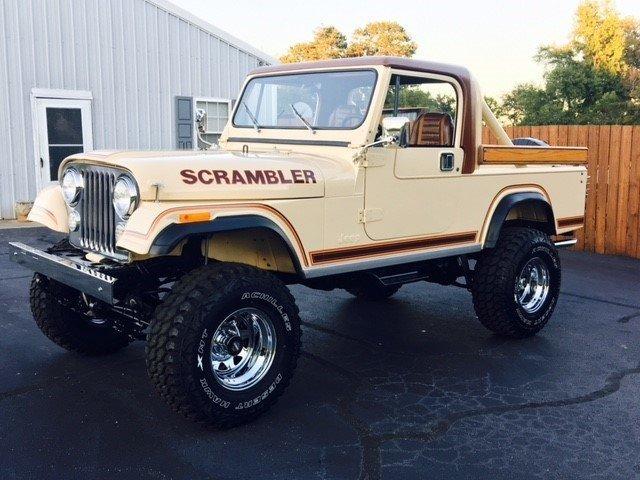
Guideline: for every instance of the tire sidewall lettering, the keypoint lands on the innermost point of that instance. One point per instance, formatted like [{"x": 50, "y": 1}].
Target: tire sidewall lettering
[
  {"x": 271, "y": 300},
  {"x": 550, "y": 257},
  {"x": 212, "y": 317}
]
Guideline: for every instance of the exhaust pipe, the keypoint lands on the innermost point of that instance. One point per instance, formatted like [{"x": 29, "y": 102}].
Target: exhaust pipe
[{"x": 566, "y": 243}]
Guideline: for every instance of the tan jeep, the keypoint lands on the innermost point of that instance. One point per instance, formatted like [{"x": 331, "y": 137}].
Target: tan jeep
[{"x": 362, "y": 174}]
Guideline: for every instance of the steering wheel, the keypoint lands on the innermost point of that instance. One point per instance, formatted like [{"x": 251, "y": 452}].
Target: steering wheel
[{"x": 349, "y": 121}]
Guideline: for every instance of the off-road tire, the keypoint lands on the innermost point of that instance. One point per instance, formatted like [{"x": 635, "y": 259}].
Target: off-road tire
[
  {"x": 372, "y": 290},
  {"x": 182, "y": 329},
  {"x": 67, "y": 328},
  {"x": 495, "y": 276}
]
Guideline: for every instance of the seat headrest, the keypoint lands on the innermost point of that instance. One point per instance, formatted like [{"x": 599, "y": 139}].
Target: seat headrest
[{"x": 432, "y": 129}]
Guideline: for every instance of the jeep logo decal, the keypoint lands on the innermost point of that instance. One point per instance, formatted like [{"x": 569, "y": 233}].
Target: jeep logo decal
[{"x": 247, "y": 177}]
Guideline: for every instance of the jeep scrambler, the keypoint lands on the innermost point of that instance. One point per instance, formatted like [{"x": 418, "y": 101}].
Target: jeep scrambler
[{"x": 319, "y": 179}]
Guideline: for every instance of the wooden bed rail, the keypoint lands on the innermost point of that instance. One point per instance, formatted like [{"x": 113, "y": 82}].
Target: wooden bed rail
[{"x": 523, "y": 155}]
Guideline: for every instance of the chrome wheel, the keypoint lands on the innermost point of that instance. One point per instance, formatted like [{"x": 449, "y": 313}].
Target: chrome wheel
[
  {"x": 532, "y": 285},
  {"x": 243, "y": 348}
]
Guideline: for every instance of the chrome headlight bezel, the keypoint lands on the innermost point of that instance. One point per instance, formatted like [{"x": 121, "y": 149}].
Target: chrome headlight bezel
[
  {"x": 72, "y": 185},
  {"x": 125, "y": 196}
]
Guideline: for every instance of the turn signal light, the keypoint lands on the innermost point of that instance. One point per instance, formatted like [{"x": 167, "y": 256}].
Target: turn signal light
[{"x": 194, "y": 217}]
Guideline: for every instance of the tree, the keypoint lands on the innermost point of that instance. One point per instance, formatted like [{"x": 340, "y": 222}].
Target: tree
[
  {"x": 412, "y": 96},
  {"x": 376, "y": 38},
  {"x": 574, "y": 93},
  {"x": 328, "y": 42},
  {"x": 496, "y": 107},
  {"x": 381, "y": 38},
  {"x": 595, "y": 78},
  {"x": 601, "y": 34}
]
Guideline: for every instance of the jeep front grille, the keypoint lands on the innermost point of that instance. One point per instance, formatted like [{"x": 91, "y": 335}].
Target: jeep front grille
[{"x": 97, "y": 231}]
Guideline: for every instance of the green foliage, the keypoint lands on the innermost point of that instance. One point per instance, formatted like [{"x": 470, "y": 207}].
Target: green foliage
[
  {"x": 600, "y": 33},
  {"x": 328, "y": 42},
  {"x": 381, "y": 38},
  {"x": 413, "y": 96},
  {"x": 375, "y": 38},
  {"x": 592, "y": 80}
]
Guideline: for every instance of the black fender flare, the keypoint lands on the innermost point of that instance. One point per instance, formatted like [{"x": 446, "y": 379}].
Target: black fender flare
[
  {"x": 509, "y": 202},
  {"x": 173, "y": 234}
]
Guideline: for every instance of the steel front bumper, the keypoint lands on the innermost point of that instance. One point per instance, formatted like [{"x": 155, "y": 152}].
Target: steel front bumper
[{"x": 64, "y": 270}]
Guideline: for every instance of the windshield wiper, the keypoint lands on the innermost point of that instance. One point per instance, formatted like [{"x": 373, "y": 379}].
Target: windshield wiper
[
  {"x": 256, "y": 125},
  {"x": 306, "y": 124}
]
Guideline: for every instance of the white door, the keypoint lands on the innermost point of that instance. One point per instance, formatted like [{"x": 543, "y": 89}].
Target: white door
[
  {"x": 63, "y": 127},
  {"x": 411, "y": 191}
]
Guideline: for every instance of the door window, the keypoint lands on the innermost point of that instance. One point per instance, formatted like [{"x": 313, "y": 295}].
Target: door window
[
  {"x": 430, "y": 105},
  {"x": 63, "y": 128}
]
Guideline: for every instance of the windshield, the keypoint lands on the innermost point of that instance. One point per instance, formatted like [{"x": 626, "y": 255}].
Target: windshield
[{"x": 314, "y": 101}]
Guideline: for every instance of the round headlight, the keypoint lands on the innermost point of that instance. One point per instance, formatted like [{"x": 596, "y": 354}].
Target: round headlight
[
  {"x": 72, "y": 185},
  {"x": 125, "y": 197},
  {"x": 73, "y": 221}
]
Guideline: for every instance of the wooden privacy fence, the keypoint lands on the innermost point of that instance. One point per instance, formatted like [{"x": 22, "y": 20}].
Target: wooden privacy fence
[{"x": 612, "y": 223}]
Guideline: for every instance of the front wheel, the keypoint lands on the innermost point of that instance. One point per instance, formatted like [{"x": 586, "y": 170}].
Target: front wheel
[
  {"x": 88, "y": 334},
  {"x": 224, "y": 343},
  {"x": 516, "y": 284}
]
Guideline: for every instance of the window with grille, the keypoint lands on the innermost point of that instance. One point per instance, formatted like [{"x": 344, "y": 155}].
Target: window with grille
[{"x": 217, "y": 111}]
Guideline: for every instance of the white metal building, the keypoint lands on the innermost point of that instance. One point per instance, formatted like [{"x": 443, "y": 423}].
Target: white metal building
[{"x": 81, "y": 75}]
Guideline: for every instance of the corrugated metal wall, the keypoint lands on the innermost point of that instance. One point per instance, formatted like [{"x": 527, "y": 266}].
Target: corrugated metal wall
[{"x": 133, "y": 55}]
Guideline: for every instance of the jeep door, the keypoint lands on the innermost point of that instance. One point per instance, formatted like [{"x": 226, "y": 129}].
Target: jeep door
[{"x": 409, "y": 189}]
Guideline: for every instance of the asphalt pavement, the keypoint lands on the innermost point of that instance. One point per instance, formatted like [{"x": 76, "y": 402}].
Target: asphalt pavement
[{"x": 412, "y": 387}]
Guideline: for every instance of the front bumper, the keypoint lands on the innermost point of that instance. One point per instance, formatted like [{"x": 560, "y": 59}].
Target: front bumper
[{"x": 65, "y": 270}]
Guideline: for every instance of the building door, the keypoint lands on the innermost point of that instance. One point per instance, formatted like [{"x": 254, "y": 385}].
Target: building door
[{"x": 63, "y": 127}]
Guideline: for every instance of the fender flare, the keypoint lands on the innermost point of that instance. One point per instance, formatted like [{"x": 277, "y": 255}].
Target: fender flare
[
  {"x": 506, "y": 204},
  {"x": 173, "y": 234}
]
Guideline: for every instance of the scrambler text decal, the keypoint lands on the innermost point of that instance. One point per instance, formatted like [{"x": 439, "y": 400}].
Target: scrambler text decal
[{"x": 247, "y": 177}]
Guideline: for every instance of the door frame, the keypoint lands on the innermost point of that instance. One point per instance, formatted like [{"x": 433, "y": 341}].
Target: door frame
[
  {"x": 45, "y": 95},
  {"x": 384, "y": 178}
]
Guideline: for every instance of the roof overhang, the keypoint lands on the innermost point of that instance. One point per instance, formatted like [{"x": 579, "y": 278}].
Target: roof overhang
[{"x": 212, "y": 29}]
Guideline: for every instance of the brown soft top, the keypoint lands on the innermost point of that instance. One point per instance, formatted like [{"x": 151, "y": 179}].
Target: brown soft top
[{"x": 461, "y": 74}]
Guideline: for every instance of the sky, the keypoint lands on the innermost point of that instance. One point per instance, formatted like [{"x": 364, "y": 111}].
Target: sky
[{"x": 495, "y": 39}]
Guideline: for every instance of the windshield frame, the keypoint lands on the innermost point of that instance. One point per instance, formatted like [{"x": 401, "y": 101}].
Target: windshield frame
[{"x": 307, "y": 72}]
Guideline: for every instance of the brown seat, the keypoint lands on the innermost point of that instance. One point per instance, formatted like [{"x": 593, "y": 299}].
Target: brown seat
[{"x": 432, "y": 130}]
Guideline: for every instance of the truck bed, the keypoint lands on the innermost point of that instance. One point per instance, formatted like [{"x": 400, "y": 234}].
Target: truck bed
[{"x": 525, "y": 155}]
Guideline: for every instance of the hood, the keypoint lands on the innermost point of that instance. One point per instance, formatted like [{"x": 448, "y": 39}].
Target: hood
[{"x": 219, "y": 175}]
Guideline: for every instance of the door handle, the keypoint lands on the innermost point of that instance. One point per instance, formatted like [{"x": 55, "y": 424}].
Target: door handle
[
  {"x": 447, "y": 161},
  {"x": 41, "y": 163}
]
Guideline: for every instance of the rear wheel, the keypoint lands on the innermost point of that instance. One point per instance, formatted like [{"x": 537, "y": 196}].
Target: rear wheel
[
  {"x": 516, "y": 284},
  {"x": 224, "y": 344}
]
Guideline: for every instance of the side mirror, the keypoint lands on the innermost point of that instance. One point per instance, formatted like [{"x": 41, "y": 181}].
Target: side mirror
[
  {"x": 201, "y": 120},
  {"x": 398, "y": 127}
]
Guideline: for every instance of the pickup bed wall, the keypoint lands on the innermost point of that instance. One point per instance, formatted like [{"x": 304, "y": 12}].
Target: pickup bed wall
[{"x": 508, "y": 155}]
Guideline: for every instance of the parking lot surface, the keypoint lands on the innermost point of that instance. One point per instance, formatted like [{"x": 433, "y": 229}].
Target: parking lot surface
[{"x": 412, "y": 387}]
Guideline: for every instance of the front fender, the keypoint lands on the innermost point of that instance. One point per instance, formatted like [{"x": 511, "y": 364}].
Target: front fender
[
  {"x": 50, "y": 210},
  {"x": 155, "y": 227}
]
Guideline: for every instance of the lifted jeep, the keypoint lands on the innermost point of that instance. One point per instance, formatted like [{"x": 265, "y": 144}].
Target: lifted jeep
[{"x": 320, "y": 179}]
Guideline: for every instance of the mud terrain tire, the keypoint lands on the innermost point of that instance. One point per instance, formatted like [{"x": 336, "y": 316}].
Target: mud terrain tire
[
  {"x": 183, "y": 342},
  {"x": 67, "y": 328},
  {"x": 498, "y": 281}
]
